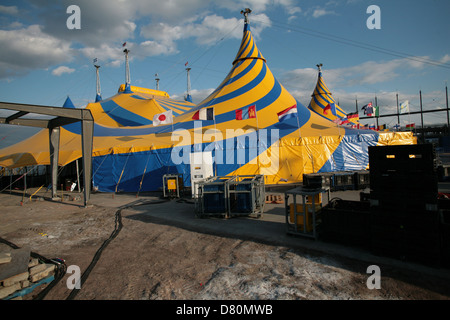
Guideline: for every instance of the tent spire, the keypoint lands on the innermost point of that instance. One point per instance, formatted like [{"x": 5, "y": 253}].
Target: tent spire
[
  {"x": 98, "y": 96},
  {"x": 319, "y": 67},
  {"x": 127, "y": 72},
  {"x": 157, "y": 81},
  {"x": 246, "y": 12},
  {"x": 188, "y": 92}
]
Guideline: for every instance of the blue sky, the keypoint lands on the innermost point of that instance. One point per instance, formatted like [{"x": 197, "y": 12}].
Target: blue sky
[{"x": 43, "y": 62}]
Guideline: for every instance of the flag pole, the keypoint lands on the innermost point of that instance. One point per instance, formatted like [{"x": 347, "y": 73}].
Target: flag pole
[
  {"x": 257, "y": 141},
  {"x": 421, "y": 115},
  {"x": 398, "y": 113},
  {"x": 215, "y": 142},
  {"x": 298, "y": 124},
  {"x": 446, "y": 102},
  {"x": 376, "y": 110}
]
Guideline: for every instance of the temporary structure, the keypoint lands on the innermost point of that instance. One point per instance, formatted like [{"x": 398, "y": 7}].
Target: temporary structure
[{"x": 251, "y": 125}]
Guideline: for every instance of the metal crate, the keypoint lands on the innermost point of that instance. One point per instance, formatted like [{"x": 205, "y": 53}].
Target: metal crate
[
  {"x": 247, "y": 195},
  {"x": 212, "y": 198},
  {"x": 228, "y": 196},
  {"x": 343, "y": 181}
]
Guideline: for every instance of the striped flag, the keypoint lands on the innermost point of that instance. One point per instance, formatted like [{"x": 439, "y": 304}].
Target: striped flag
[
  {"x": 353, "y": 116},
  {"x": 204, "y": 114},
  {"x": 288, "y": 113},
  {"x": 410, "y": 126}
]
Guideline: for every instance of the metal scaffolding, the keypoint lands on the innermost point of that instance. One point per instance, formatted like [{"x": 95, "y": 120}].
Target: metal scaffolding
[{"x": 63, "y": 116}]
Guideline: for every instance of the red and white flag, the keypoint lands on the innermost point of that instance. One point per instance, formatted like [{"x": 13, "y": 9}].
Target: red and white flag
[
  {"x": 163, "y": 118},
  {"x": 288, "y": 113}
]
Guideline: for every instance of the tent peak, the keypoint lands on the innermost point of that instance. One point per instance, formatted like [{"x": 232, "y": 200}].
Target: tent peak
[
  {"x": 319, "y": 67},
  {"x": 246, "y": 12}
]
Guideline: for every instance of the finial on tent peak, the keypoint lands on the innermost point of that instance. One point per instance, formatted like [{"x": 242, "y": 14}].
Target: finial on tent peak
[
  {"x": 246, "y": 12},
  {"x": 319, "y": 66}
]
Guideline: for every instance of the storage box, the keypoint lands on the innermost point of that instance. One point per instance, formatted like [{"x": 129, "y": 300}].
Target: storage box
[
  {"x": 309, "y": 218},
  {"x": 317, "y": 199}
]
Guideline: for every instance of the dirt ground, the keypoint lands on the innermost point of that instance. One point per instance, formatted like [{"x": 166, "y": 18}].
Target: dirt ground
[{"x": 151, "y": 259}]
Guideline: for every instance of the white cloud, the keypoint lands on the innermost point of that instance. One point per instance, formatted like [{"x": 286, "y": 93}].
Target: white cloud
[
  {"x": 367, "y": 73},
  {"x": 11, "y": 10},
  {"x": 197, "y": 95},
  {"x": 319, "y": 12},
  {"x": 209, "y": 30},
  {"x": 104, "y": 52},
  {"x": 445, "y": 59},
  {"x": 61, "y": 70},
  {"x": 30, "y": 48}
]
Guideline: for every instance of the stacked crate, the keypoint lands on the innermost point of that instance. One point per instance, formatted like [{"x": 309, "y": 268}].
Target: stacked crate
[
  {"x": 346, "y": 222},
  {"x": 343, "y": 180},
  {"x": 247, "y": 195},
  {"x": 318, "y": 180},
  {"x": 231, "y": 196},
  {"x": 404, "y": 211},
  {"x": 362, "y": 179}
]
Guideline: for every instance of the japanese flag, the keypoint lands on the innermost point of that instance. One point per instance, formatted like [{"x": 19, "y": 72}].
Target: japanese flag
[{"x": 163, "y": 118}]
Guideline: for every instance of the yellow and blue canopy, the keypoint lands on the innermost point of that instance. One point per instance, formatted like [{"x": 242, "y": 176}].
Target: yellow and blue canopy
[{"x": 252, "y": 125}]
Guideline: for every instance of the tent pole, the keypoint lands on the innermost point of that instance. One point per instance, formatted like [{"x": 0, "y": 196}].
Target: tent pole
[
  {"x": 54, "y": 155},
  {"x": 87, "y": 131},
  {"x": 78, "y": 177}
]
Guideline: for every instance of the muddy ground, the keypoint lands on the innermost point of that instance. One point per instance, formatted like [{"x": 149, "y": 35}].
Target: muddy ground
[{"x": 153, "y": 258}]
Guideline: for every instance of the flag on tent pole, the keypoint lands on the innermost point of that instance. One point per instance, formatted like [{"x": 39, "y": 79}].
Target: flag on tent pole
[
  {"x": 368, "y": 109},
  {"x": 246, "y": 113},
  {"x": 396, "y": 127},
  {"x": 204, "y": 114},
  {"x": 163, "y": 118},
  {"x": 353, "y": 116},
  {"x": 330, "y": 107},
  {"x": 124, "y": 44},
  {"x": 381, "y": 127},
  {"x": 341, "y": 121},
  {"x": 376, "y": 111},
  {"x": 404, "y": 107},
  {"x": 410, "y": 126},
  {"x": 288, "y": 113}
]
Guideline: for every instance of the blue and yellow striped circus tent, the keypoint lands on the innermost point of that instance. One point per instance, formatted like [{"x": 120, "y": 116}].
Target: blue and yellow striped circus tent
[
  {"x": 250, "y": 123},
  {"x": 323, "y": 103}
]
